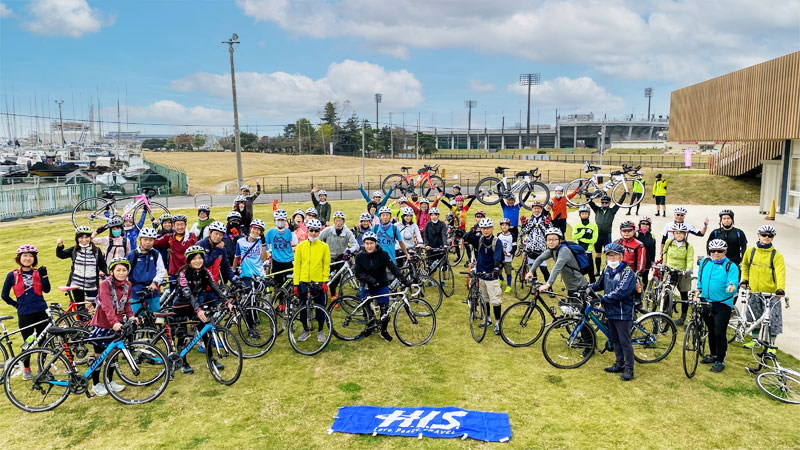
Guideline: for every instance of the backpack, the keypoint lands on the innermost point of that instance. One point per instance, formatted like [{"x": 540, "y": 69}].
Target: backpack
[
  {"x": 771, "y": 260},
  {"x": 706, "y": 260},
  {"x": 579, "y": 253}
]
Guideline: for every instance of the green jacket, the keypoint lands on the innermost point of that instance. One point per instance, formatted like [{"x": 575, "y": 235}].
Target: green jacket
[
  {"x": 678, "y": 257},
  {"x": 323, "y": 211},
  {"x": 761, "y": 276},
  {"x": 586, "y": 235},
  {"x": 660, "y": 188}
]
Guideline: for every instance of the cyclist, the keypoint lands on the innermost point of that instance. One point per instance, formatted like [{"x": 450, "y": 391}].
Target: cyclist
[
  {"x": 565, "y": 264},
  {"x": 116, "y": 245},
  {"x": 511, "y": 212},
  {"x": 422, "y": 211},
  {"x": 644, "y": 236},
  {"x": 507, "y": 239},
  {"x": 311, "y": 213},
  {"x": 215, "y": 258},
  {"x": 456, "y": 192},
  {"x": 200, "y": 228},
  {"x": 637, "y": 192},
  {"x": 312, "y": 264},
  {"x": 660, "y": 195},
  {"x": 680, "y": 215},
  {"x": 176, "y": 244},
  {"x": 372, "y": 209},
  {"x": 251, "y": 252},
  {"x": 475, "y": 230},
  {"x": 403, "y": 202},
  {"x": 488, "y": 259},
  {"x": 734, "y": 237},
  {"x": 388, "y": 234},
  {"x": 245, "y": 191},
  {"x": 132, "y": 232},
  {"x": 233, "y": 232},
  {"x": 435, "y": 234},
  {"x": 534, "y": 229},
  {"x": 764, "y": 270},
  {"x": 585, "y": 234},
  {"x": 280, "y": 243},
  {"x": 364, "y": 224},
  {"x": 29, "y": 285},
  {"x": 377, "y": 196},
  {"x": 298, "y": 226},
  {"x": 459, "y": 210},
  {"x": 618, "y": 283},
  {"x": 113, "y": 306},
  {"x": 371, "y": 267},
  {"x": 679, "y": 255},
  {"x": 558, "y": 207},
  {"x": 167, "y": 228},
  {"x": 87, "y": 263},
  {"x": 196, "y": 287},
  {"x": 321, "y": 205},
  {"x": 147, "y": 271},
  {"x": 245, "y": 217},
  {"x": 717, "y": 279},
  {"x": 341, "y": 242},
  {"x": 604, "y": 218},
  {"x": 409, "y": 231}
]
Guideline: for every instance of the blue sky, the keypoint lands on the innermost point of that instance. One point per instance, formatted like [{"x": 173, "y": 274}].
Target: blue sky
[{"x": 424, "y": 58}]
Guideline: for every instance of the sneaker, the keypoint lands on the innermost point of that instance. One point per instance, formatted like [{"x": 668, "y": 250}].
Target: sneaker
[
  {"x": 99, "y": 390},
  {"x": 26, "y": 374},
  {"x": 497, "y": 328},
  {"x": 201, "y": 349},
  {"x": 508, "y": 289},
  {"x": 680, "y": 321},
  {"x": 386, "y": 336},
  {"x": 708, "y": 359},
  {"x": 486, "y": 323},
  {"x": 616, "y": 368},
  {"x": 218, "y": 365},
  {"x": 303, "y": 336},
  {"x": 751, "y": 344},
  {"x": 321, "y": 336},
  {"x": 187, "y": 369},
  {"x": 718, "y": 367},
  {"x": 116, "y": 387},
  {"x": 627, "y": 375},
  {"x": 629, "y": 213}
]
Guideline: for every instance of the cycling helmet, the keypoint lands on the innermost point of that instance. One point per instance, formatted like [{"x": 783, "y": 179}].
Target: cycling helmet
[
  {"x": 194, "y": 250},
  {"x": 537, "y": 203},
  {"x": 128, "y": 217},
  {"x": 216, "y": 226},
  {"x": 369, "y": 235},
  {"x": 679, "y": 227},
  {"x": 115, "y": 261},
  {"x": 299, "y": 211},
  {"x": 148, "y": 232},
  {"x": 27, "y": 248},
  {"x": 322, "y": 192},
  {"x": 717, "y": 244},
  {"x": 313, "y": 224},
  {"x": 459, "y": 198},
  {"x": 505, "y": 220},
  {"x": 312, "y": 210},
  {"x": 365, "y": 216},
  {"x": 508, "y": 195},
  {"x": 234, "y": 215},
  {"x": 176, "y": 218},
  {"x": 480, "y": 212},
  {"x": 258, "y": 223},
  {"x": 165, "y": 217},
  {"x": 646, "y": 219},
  {"x": 384, "y": 209},
  {"x": 240, "y": 198},
  {"x": 407, "y": 211},
  {"x": 554, "y": 230},
  {"x": 205, "y": 208},
  {"x": 658, "y": 176},
  {"x": 726, "y": 212},
  {"x": 338, "y": 215},
  {"x": 424, "y": 200},
  {"x": 585, "y": 209},
  {"x": 402, "y": 199},
  {"x": 377, "y": 194},
  {"x": 613, "y": 248},
  {"x": 767, "y": 229},
  {"x": 456, "y": 186},
  {"x": 486, "y": 223},
  {"x": 280, "y": 214},
  {"x": 433, "y": 210},
  {"x": 627, "y": 225},
  {"x": 605, "y": 199},
  {"x": 244, "y": 188},
  {"x": 83, "y": 229},
  {"x": 559, "y": 189},
  {"x": 116, "y": 221},
  {"x": 679, "y": 210}
]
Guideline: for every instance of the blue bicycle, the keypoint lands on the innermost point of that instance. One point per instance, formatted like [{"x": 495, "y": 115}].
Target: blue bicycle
[
  {"x": 141, "y": 367},
  {"x": 570, "y": 341}
]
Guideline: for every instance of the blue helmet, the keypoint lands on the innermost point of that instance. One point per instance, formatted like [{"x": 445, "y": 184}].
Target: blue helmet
[{"x": 614, "y": 248}]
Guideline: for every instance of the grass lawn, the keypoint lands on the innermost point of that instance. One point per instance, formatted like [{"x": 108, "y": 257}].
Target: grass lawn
[{"x": 286, "y": 400}]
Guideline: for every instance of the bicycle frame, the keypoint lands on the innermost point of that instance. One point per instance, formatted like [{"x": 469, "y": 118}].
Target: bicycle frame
[
  {"x": 742, "y": 329},
  {"x": 6, "y": 336},
  {"x": 417, "y": 179}
]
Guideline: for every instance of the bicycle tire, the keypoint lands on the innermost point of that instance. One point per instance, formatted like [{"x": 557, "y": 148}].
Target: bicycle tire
[
  {"x": 454, "y": 254},
  {"x": 16, "y": 387},
  {"x": 558, "y": 334},
  {"x": 296, "y": 327},
  {"x": 412, "y": 318},
  {"x": 349, "y": 323},
  {"x": 522, "y": 287},
  {"x": 788, "y": 386},
  {"x": 653, "y": 337},
  {"x": 588, "y": 191},
  {"x": 477, "y": 316},
  {"x": 3, "y": 359},
  {"x": 85, "y": 213},
  {"x": 75, "y": 319},
  {"x": 396, "y": 179},
  {"x": 256, "y": 330},
  {"x": 145, "y": 356},
  {"x": 229, "y": 352},
  {"x": 487, "y": 191},
  {"x": 616, "y": 196},
  {"x": 349, "y": 287},
  {"x": 734, "y": 324},
  {"x": 438, "y": 185},
  {"x": 691, "y": 350},
  {"x": 156, "y": 211},
  {"x": 532, "y": 192},
  {"x": 447, "y": 280},
  {"x": 522, "y": 324},
  {"x": 153, "y": 337},
  {"x": 430, "y": 291}
]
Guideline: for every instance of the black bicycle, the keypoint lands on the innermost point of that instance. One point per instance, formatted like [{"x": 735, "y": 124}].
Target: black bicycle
[
  {"x": 694, "y": 341},
  {"x": 523, "y": 323}
]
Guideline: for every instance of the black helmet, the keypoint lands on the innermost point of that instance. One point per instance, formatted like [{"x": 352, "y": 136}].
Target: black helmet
[
  {"x": 605, "y": 199},
  {"x": 658, "y": 176},
  {"x": 627, "y": 225},
  {"x": 726, "y": 212}
]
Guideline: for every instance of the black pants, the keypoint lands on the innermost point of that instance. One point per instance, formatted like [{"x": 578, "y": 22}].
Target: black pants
[
  {"x": 561, "y": 224},
  {"x": 26, "y": 320},
  {"x": 320, "y": 298},
  {"x": 332, "y": 286},
  {"x": 514, "y": 236},
  {"x": 716, "y": 318},
  {"x": 278, "y": 266},
  {"x": 620, "y": 331},
  {"x": 80, "y": 295},
  {"x": 634, "y": 197}
]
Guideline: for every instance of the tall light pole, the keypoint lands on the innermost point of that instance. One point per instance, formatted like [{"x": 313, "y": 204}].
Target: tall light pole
[
  {"x": 469, "y": 104},
  {"x": 236, "y": 138},
  {"x": 61, "y": 120},
  {"x": 648, "y": 93},
  {"x": 378, "y": 98},
  {"x": 529, "y": 79}
]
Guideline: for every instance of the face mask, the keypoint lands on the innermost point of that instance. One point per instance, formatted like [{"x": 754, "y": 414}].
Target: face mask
[
  {"x": 612, "y": 264},
  {"x": 642, "y": 231},
  {"x": 116, "y": 233},
  {"x": 321, "y": 202},
  {"x": 84, "y": 245},
  {"x": 313, "y": 239},
  {"x": 128, "y": 228},
  {"x": 559, "y": 195},
  {"x": 280, "y": 224}
]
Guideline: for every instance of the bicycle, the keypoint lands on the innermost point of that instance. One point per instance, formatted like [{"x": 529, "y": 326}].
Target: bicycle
[
  {"x": 694, "y": 341},
  {"x": 479, "y": 312},
  {"x": 77, "y": 314},
  {"x": 103, "y": 208},
  {"x": 455, "y": 245},
  {"x": 589, "y": 188},
  {"x": 528, "y": 187},
  {"x": 430, "y": 289},
  {"x": 301, "y": 318},
  {"x": 348, "y": 285},
  {"x": 570, "y": 341},
  {"x": 663, "y": 298},
  {"x": 6, "y": 344},
  {"x": 255, "y": 325},
  {"x": 523, "y": 323},
  {"x": 140, "y": 366},
  {"x": 425, "y": 178},
  {"x": 742, "y": 324},
  {"x": 437, "y": 261},
  {"x": 779, "y": 382},
  {"x": 414, "y": 320}
]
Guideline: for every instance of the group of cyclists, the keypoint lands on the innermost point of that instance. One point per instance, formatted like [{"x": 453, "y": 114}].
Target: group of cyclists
[{"x": 123, "y": 266}]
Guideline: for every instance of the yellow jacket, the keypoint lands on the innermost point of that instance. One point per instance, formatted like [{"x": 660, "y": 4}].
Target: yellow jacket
[
  {"x": 660, "y": 188},
  {"x": 759, "y": 274},
  {"x": 312, "y": 262}
]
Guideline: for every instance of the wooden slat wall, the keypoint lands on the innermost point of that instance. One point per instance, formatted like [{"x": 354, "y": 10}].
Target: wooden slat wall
[
  {"x": 758, "y": 103},
  {"x": 740, "y": 157}
]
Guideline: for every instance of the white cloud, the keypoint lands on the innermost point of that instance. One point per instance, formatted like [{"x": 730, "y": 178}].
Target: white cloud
[
  {"x": 685, "y": 40},
  {"x": 5, "y": 11},
  {"x": 480, "y": 86},
  {"x": 565, "y": 93},
  {"x": 72, "y": 18},
  {"x": 281, "y": 94},
  {"x": 171, "y": 112}
]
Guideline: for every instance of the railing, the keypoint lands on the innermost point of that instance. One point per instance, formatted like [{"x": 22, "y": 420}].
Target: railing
[
  {"x": 178, "y": 180},
  {"x": 738, "y": 158},
  {"x": 42, "y": 200}
]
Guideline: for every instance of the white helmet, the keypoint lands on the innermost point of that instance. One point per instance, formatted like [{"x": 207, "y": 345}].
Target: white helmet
[
  {"x": 313, "y": 224},
  {"x": 559, "y": 189},
  {"x": 377, "y": 194},
  {"x": 402, "y": 199},
  {"x": 486, "y": 223},
  {"x": 679, "y": 227},
  {"x": 280, "y": 214},
  {"x": 433, "y": 210},
  {"x": 244, "y": 188},
  {"x": 338, "y": 215},
  {"x": 424, "y": 200},
  {"x": 369, "y": 235},
  {"x": 217, "y": 226},
  {"x": 322, "y": 192},
  {"x": 717, "y": 244},
  {"x": 365, "y": 216},
  {"x": 234, "y": 215},
  {"x": 258, "y": 223},
  {"x": 680, "y": 210},
  {"x": 148, "y": 233},
  {"x": 767, "y": 229},
  {"x": 205, "y": 208},
  {"x": 298, "y": 211},
  {"x": 407, "y": 211},
  {"x": 384, "y": 209},
  {"x": 240, "y": 198},
  {"x": 585, "y": 209},
  {"x": 312, "y": 211}
]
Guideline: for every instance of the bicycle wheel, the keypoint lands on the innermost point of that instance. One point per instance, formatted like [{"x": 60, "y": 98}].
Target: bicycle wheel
[
  {"x": 588, "y": 190},
  {"x": 93, "y": 212},
  {"x": 565, "y": 347},
  {"x": 144, "y": 370},
  {"x": 447, "y": 280},
  {"x": 454, "y": 254},
  {"x": 156, "y": 211},
  {"x": 534, "y": 191},
  {"x": 228, "y": 355},
  {"x": 438, "y": 186},
  {"x": 49, "y": 386},
  {"x": 154, "y": 338},
  {"x": 477, "y": 315},
  {"x": 3, "y": 357},
  {"x": 522, "y": 324},
  {"x": 619, "y": 190},
  {"x": 80, "y": 350},
  {"x": 396, "y": 179},
  {"x": 522, "y": 287},
  {"x": 691, "y": 350},
  {"x": 75, "y": 319},
  {"x": 256, "y": 330},
  {"x": 415, "y": 322},
  {"x": 780, "y": 386},
  {"x": 430, "y": 291},
  {"x": 487, "y": 191},
  {"x": 301, "y": 323},
  {"x": 348, "y": 319},
  {"x": 733, "y": 325},
  {"x": 649, "y": 299},
  {"x": 653, "y": 336},
  {"x": 349, "y": 287}
]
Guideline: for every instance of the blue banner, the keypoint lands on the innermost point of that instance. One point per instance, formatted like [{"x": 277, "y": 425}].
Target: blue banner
[{"x": 447, "y": 422}]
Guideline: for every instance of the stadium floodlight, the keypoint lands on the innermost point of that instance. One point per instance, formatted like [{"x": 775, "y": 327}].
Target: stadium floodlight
[{"x": 529, "y": 79}]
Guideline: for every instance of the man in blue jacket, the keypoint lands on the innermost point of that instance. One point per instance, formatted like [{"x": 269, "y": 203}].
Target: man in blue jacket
[
  {"x": 147, "y": 272},
  {"x": 488, "y": 260},
  {"x": 717, "y": 281},
  {"x": 618, "y": 282}
]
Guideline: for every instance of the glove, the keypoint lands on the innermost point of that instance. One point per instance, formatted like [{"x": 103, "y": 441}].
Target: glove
[
  {"x": 587, "y": 232},
  {"x": 295, "y": 290},
  {"x": 325, "y": 287},
  {"x": 236, "y": 280},
  {"x": 589, "y": 291},
  {"x": 523, "y": 220},
  {"x": 744, "y": 284},
  {"x": 780, "y": 292},
  {"x": 346, "y": 255},
  {"x": 43, "y": 271}
]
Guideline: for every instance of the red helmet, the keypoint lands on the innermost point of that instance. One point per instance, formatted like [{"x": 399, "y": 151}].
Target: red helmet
[
  {"x": 480, "y": 212},
  {"x": 459, "y": 198},
  {"x": 27, "y": 248}
]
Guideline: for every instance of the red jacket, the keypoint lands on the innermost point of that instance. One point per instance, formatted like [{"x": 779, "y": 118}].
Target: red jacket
[
  {"x": 106, "y": 316},
  {"x": 423, "y": 217},
  {"x": 19, "y": 285},
  {"x": 177, "y": 250},
  {"x": 635, "y": 254}
]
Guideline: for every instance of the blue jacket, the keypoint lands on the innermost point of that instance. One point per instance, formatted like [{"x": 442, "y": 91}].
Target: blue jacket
[
  {"x": 217, "y": 262},
  {"x": 713, "y": 280},
  {"x": 511, "y": 213},
  {"x": 133, "y": 234},
  {"x": 618, "y": 286},
  {"x": 146, "y": 268},
  {"x": 387, "y": 235},
  {"x": 368, "y": 199},
  {"x": 489, "y": 254}
]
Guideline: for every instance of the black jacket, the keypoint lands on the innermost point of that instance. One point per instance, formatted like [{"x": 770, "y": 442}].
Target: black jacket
[
  {"x": 370, "y": 269},
  {"x": 191, "y": 284},
  {"x": 435, "y": 234},
  {"x": 649, "y": 243},
  {"x": 736, "y": 240}
]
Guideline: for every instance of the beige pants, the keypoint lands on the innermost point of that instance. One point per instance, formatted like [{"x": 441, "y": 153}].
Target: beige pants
[{"x": 490, "y": 289}]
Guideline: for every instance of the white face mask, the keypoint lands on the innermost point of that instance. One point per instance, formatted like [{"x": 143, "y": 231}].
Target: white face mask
[
  {"x": 313, "y": 239},
  {"x": 280, "y": 224},
  {"x": 559, "y": 195},
  {"x": 612, "y": 264},
  {"x": 322, "y": 202}
]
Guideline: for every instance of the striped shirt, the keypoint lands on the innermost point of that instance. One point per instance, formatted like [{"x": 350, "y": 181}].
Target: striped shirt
[{"x": 84, "y": 273}]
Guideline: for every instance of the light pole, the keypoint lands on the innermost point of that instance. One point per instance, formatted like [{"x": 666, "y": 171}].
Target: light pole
[
  {"x": 236, "y": 138},
  {"x": 648, "y": 94},
  {"x": 378, "y": 98},
  {"x": 61, "y": 120},
  {"x": 469, "y": 104},
  {"x": 529, "y": 79}
]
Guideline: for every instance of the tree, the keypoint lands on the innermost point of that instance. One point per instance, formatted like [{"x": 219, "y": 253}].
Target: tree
[
  {"x": 154, "y": 144},
  {"x": 330, "y": 116},
  {"x": 290, "y": 130},
  {"x": 170, "y": 144},
  {"x": 248, "y": 140},
  {"x": 198, "y": 141},
  {"x": 226, "y": 143},
  {"x": 427, "y": 144}
]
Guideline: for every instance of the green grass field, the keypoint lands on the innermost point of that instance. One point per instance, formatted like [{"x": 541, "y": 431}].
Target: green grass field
[{"x": 286, "y": 400}]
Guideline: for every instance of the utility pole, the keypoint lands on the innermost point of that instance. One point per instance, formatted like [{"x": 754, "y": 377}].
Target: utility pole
[
  {"x": 378, "y": 98},
  {"x": 405, "y": 137},
  {"x": 417, "y": 146},
  {"x": 363, "y": 151},
  {"x": 391, "y": 137},
  {"x": 469, "y": 104},
  {"x": 529, "y": 79},
  {"x": 236, "y": 138},
  {"x": 61, "y": 119},
  {"x": 648, "y": 93}
]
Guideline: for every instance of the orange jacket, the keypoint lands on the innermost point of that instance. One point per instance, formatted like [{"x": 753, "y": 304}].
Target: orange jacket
[{"x": 558, "y": 206}]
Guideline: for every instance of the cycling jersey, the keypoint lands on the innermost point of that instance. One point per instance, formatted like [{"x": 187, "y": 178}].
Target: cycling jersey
[
  {"x": 585, "y": 233},
  {"x": 604, "y": 217},
  {"x": 508, "y": 246},
  {"x": 387, "y": 235},
  {"x": 281, "y": 243},
  {"x": 312, "y": 262},
  {"x": 667, "y": 233},
  {"x": 249, "y": 254},
  {"x": 635, "y": 255},
  {"x": 736, "y": 240}
]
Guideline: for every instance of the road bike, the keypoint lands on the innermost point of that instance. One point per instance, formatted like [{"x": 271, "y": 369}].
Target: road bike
[
  {"x": 694, "y": 341},
  {"x": 414, "y": 271},
  {"x": 7, "y": 345},
  {"x": 479, "y": 312},
  {"x": 527, "y": 187},
  {"x": 743, "y": 323},
  {"x": 523, "y": 323},
  {"x": 780, "y": 383},
  {"x": 619, "y": 187},
  {"x": 426, "y": 179},
  {"x": 662, "y": 298},
  {"x": 96, "y": 211},
  {"x": 455, "y": 245}
]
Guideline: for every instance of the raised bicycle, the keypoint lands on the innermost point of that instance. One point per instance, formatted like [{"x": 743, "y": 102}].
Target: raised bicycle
[
  {"x": 96, "y": 211},
  {"x": 425, "y": 180},
  {"x": 527, "y": 187},
  {"x": 620, "y": 184}
]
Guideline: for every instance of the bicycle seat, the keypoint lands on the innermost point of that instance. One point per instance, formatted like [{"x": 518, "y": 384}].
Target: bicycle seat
[
  {"x": 67, "y": 288},
  {"x": 2, "y": 318},
  {"x": 522, "y": 174},
  {"x": 58, "y": 331},
  {"x": 500, "y": 170},
  {"x": 617, "y": 172},
  {"x": 592, "y": 169},
  {"x": 406, "y": 168}
]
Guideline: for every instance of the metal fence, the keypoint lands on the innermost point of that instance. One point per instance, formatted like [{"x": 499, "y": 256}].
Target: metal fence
[
  {"x": 178, "y": 180},
  {"x": 41, "y": 200}
]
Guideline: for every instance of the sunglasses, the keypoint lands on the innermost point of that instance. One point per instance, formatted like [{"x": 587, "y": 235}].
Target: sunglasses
[
  {"x": 717, "y": 251},
  {"x": 313, "y": 231},
  {"x": 627, "y": 230},
  {"x": 767, "y": 235},
  {"x": 680, "y": 215}
]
